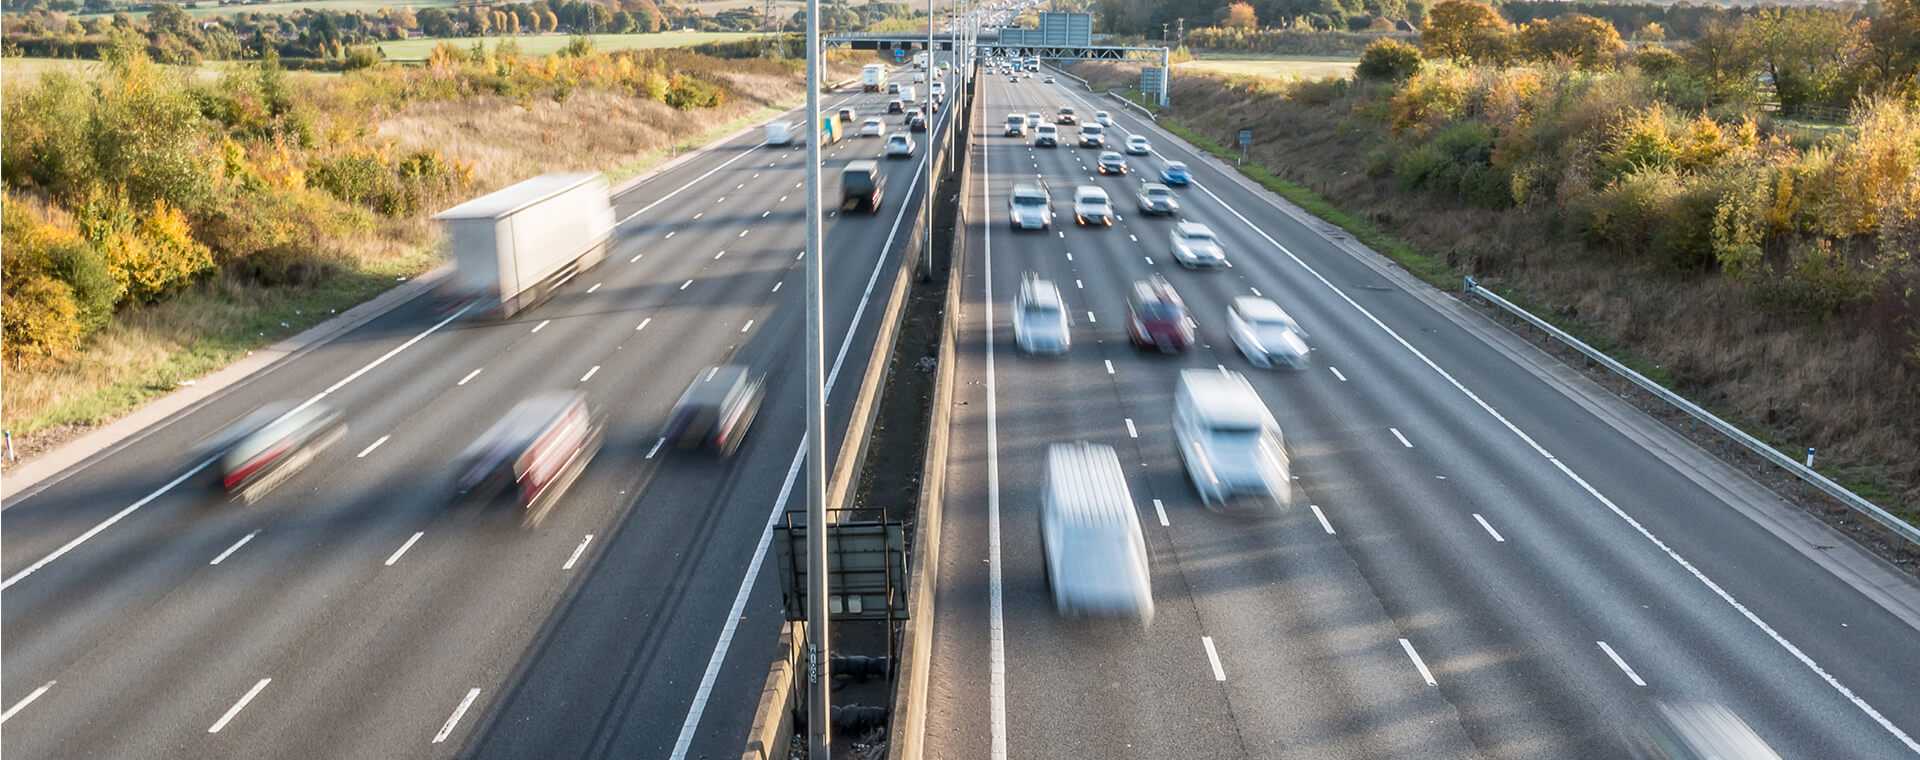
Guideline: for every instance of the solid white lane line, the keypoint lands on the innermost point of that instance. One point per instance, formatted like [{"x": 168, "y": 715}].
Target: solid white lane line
[
  {"x": 776, "y": 286},
  {"x": 747, "y": 326},
  {"x": 577, "y": 551},
  {"x": 1403, "y": 439},
  {"x": 542, "y": 325},
  {"x": 1336, "y": 373},
  {"x": 1109, "y": 365},
  {"x": 636, "y": 258},
  {"x": 1418, "y": 663},
  {"x": 470, "y": 376},
  {"x": 404, "y": 547},
  {"x": 205, "y": 463},
  {"x": 1131, "y": 432},
  {"x": 234, "y": 548},
  {"x": 643, "y": 324},
  {"x": 596, "y": 286},
  {"x": 656, "y": 447},
  {"x": 1624, "y": 667},
  {"x": 371, "y": 446},
  {"x": 589, "y": 375},
  {"x": 996, "y": 617},
  {"x": 683, "y": 286},
  {"x": 26, "y": 700},
  {"x": 1490, "y": 531},
  {"x": 238, "y": 706},
  {"x": 446, "y": 729},
  {"x": 695, "y": 181},
  {"x": 1160, "y": 511},
  {"x": 1213, "y": 658},
  {"x": 1090, "y": 317},
  {"x": 1324, "y": 525}
]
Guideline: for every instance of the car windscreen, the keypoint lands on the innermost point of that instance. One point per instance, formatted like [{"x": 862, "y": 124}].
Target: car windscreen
[
  {"x": 1195, "y": 236},
  {"x": 1090, "y": 129},
  {"x": 1156, "y": 311},
  {"x": 1025, "y": 199}
]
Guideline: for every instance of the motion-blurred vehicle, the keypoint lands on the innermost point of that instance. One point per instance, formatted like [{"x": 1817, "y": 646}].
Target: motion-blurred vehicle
[
  {"x": 873, "y": 127},
  {"x": 1137, "y": 145},
  {"x": 514, "y": 246},
  {"x": 1030, "y": 207},
  {"x": 1174, "y": 174},
  {"x": 893, "y": 88},
  {"x": 899, "y": 146},
  {"x": 717, "y": 409},
  {"x": 262, "y": 450},
  {"x": 1040, "y": 324},
  {"x": 1103, "y": 118},
  {"x": 1229, "y": 443},
  {"x": 1157, "y": 318},
  {"x": 1111, "y": 163},
  {"x": 1048, "y": 80},
  {"x": 917, "y": 122},
  {"x": 1265, "y": 333},
  {"x": 1016, "y": 125},
  {"x": 871, "y": 76},
  {"x": 534, "y": 454},
  {"x": 896, "y": 106},
  {"x": 1195, "y": 247},
  {"x": 906, "y": 95},
  {"x": 1090, "y": 537},
  {"x": 1046, "y": 136},
  {"x": 862, "y": 185},
  {"x": 779, "y": 133},
  {"x": 847, "y": 115},
  {"x": 1033, "y": 119},
  {"x": 1155, "y": 198},
  {"x": 1698, "y": 731},
  {"x": 1091, "y": 206},
  {"x": 937, "y": 90},
  {"x": 1093, "y": 136},
  {"x": 1065, "y": 116}
]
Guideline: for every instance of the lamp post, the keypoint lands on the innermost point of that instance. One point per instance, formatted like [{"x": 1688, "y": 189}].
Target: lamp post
[{"x": 819, "y": 720}]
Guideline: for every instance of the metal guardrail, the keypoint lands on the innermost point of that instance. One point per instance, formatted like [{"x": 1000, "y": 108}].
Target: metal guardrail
[
  {"x": 1110, "y": 93},
  {"x": 1826, "y": 485}
]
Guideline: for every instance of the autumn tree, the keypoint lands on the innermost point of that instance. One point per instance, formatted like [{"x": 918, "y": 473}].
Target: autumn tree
[
  {"x": 1240, "y": 15},
  {"x": 1588, "y": 42},
  {"x": 1464, "y": 31}
]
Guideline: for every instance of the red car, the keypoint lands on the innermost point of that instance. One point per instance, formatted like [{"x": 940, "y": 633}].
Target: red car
[{"x": 1157, "y": 318}]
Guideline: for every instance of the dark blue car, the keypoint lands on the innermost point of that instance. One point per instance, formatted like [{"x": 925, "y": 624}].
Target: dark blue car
[{"x": 1175, "y": 173}]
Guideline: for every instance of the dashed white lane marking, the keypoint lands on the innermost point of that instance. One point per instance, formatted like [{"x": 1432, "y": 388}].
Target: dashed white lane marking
[
  {"x": 1063, "y": 234},
  {"x": 1109, "y": 366},
  {"x": 1160, "y": 511},
  {"x": 1131, "y": 432},
  {"x": 238, "y": 706},
  {"x": 656, "y": 447},
  {"x": 683, "y": 286},
  {"x": 1256, "y": 291},
  {"x": 723, "y": 199},
  {"x": 1490, "y": 531},
  {"x": 446, "y": 729},
  {"x": 801, "y": 255},
  {"x": 743, "y": 184},
  {"x": 589, "y": 375},
  {"x": 783, "y": 199},
  {"x": 470, "y": 376},
  {"x": 542, "y": 325},
  {"x": 1149, "y": 260},
  {"x": 26, "y": 700},
  {"x": 1336, "y": 373},
  {"x": 1624, "y": 667},
  {"x": 1402, "y": 438},
  {"x": 1069, "y": 255},
  {"x": 716, "y": 257},
  {"x": 670, "y": 235},
  {"x": 1229, "y": 265},
  {"x": 596, "y": 286},
  {"x": 577, "y": 551},
  {"x": 747, "y": 326},
  {"x": 1090, "y": 318},
  {"x": 1076, "y": 283},
  {"x": 400, "y": 552},
  {"x": 1213, "y": 658},
  {"x": 1418, "y": 663},
  {"x": 636, "y": 258},
  {"x": 1322, "y": 516},
  {"x": 643, "y": 324},
  {"x": 700, "y": 214},
  {"x": 1135, "y": 238},
  {"x": 743, "y": 233},
  {"x": 767, "y": 213},
  {"x": 776, "y": 286},
  {"x": 371, "y": 446},
  {"x": 234, "y": 548}
]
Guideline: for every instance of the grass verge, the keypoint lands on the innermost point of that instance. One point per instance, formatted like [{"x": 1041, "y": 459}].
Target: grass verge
[
  {"x": 637, "y": 166},
  {"x": 547, "y": 44}
]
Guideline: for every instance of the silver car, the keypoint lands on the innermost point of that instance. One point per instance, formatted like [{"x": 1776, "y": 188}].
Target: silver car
[
  {"x": 1266, "y": 334},
  {"x": 1040, "y": 324},
  {"x": 1030, "y": 207},
  {"x": 1156, "y": 198},
  {"x": 899, "y": 146},
  {"x": 1091, "y": 206},
  {"x": 1194, "y": 246}
]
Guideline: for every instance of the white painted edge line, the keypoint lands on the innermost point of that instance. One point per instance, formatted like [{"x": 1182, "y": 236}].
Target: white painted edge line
[
  {"x": 446, "y": 729},
  {"x": 1418, "y": 663},
  {"x": 1324, "y": 525},
  {"x": 371, "y": 446},
  {"x": 1403, "y": 439},
  {"x": 397, "y": 553},
  {"x": 1213, "y": 658},
  {"x": 470, "y": 376},
  {"x": 234, "y": 548},
  {"x": 996, "y": 615},
  {"x": 577, "y": 551},
  {"x": 1160, "y": 511},
  {"x": 238, "y": 706},
  {"x": 26, "y": 700},
  {"x": 1109, "y": 365},
  {"x": 590, "y": 373},
  {"x": 656, "y": 447},
  {"x": 1131, "y": 432},
  {"x": 542, "y": 325},
  {"x": 1336, "y": 373},
  {"x": 1624, "y": 667},
  {"x": 1490, "y": 531},
  {"x": 643, "y": 324}
]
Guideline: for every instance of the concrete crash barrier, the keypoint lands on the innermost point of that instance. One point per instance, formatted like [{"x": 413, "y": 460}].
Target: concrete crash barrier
[{"x": 772, "y": 728}]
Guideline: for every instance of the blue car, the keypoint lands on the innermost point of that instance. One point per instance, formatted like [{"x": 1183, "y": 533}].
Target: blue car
[{"x": 1175, "y": 173}]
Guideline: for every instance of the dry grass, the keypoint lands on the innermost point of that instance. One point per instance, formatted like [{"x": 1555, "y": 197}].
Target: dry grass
[{"x": 1277, "y": 67}]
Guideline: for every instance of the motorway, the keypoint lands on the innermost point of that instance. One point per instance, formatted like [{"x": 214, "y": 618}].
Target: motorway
[
  {"x": 352, "y": 614},
  {"x": 1494, "y": 558}
]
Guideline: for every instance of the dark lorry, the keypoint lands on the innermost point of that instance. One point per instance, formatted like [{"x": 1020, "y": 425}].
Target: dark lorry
[{"x": 861, "y": 184}]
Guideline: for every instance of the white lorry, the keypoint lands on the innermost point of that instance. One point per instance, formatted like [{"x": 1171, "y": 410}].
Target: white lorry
[
  {"x": 873, "y": 76},
  {"x": 514, "y": 246}
]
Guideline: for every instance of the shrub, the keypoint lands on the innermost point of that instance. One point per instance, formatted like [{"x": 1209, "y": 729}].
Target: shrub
[
  {"x": 1432, "y": 97},
  {"x": 46, "y": 136},
  {"x": 1657, "y": 61},
  {"x": 1390, "y": 60},
  {"x": 1819, "y": 281},
  {"x": 41, "y": 318},
  {"x": 685, "y": 93}
]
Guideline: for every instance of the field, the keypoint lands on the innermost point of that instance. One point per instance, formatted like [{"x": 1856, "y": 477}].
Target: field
[
  {"x": 1282, "y": 67},
  {"x": 207, "y": 8},
  {"x": 28, "y": 70},
  {"x": 417, "y": 50}
]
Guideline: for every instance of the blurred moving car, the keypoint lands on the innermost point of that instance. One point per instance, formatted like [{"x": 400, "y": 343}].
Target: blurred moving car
[
  {"x": 893, "y": 88},
  {"x": 1175, "y": 174},
  {"x": 1195, "y": 246},
  {"x": 1112, "y": 163},
  {"x": 899, "y": 146},
  {"x": 1156, "y": 198},
  {"x": 1137, "y": 145},
  {"x": 895, "y": 106},
  {"x": 1265, "y": 333},
  {"x": 873, "y": 127},
  {"x": 1046, "y": 136},
  {"x": 862, "y": 185},
  {"x": 1103, "y": 118},
  {"x": 1699, "y": 731},
  {"x": 717, "y": 409},
  {"x": 1016, "y": 125},
  {"x": 1030, "y": 207},
  {"x": 1093, "y": 136},
  {"x": 265, "y": 448},
  {"x": 535, "y": 452},
  {"x": 1040, "y": 324},
  {"x": 1157, "y": 318},
  {"x": 846, "y": 114},
  {"x": 1229, "y": 442},
  {"x": 917, "y": 122},
  {"x": 1095, "y": 553},
  {"x": 1091, "y": 206},
  {"x": 1048, "y": 80},
  {"x": 1065, "y": 116},
  {"x": 1033, "y": 118}
]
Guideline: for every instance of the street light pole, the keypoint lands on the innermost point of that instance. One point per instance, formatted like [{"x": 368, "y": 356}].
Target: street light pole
[
  {"x": 819, "y": 678},
  {"x": 933, "y": 132}
]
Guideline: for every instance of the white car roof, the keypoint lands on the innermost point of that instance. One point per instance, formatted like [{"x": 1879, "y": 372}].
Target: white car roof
[
  {"x": 1259, "y": 309},
  {"x": 873, "y": 120},
  {"x": 1224, "y": 399},
  {"x": 1137, "y": 138},
  {"x": 1089, "y": 192},
  {"x": 1192, "y": 229}
]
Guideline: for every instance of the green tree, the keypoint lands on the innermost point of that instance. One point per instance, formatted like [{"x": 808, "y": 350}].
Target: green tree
[
  {"x": 1723, "y": 56},
  {"x": 1807, "y": 53}
]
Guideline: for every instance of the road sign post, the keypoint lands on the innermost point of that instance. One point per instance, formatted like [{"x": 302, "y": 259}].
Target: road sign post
[{"x": 1245, "y": 140}]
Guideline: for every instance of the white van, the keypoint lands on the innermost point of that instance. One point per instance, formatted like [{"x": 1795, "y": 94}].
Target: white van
[
  {"x": 779, "y": 133},
  {"x": 1095, "y": 553},
  {"x": 1230, "y": 443}
]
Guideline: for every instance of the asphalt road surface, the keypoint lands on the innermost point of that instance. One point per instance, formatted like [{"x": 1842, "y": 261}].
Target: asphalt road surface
[{"x": 1493, "y": 558}]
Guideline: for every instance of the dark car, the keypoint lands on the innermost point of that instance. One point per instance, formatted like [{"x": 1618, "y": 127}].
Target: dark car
[
  {"x": 265, "y": 448},
  {"x": 1112, "y": 163},
  {"x": 1065, "y": 116},
  {"x": 534, "y": 452},
  {"x": 895, "y": 106},
  {"x": 917, "y": 122},
  {"x": 1157, "y": 318},
  {"x": 862, "y": 185},
  {"x": 717, "y": 409}
]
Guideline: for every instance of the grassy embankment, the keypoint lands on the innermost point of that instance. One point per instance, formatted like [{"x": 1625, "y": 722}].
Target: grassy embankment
[
  {"x": 1809, "y": 344},
  {"x": 548, "y": 44}
]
